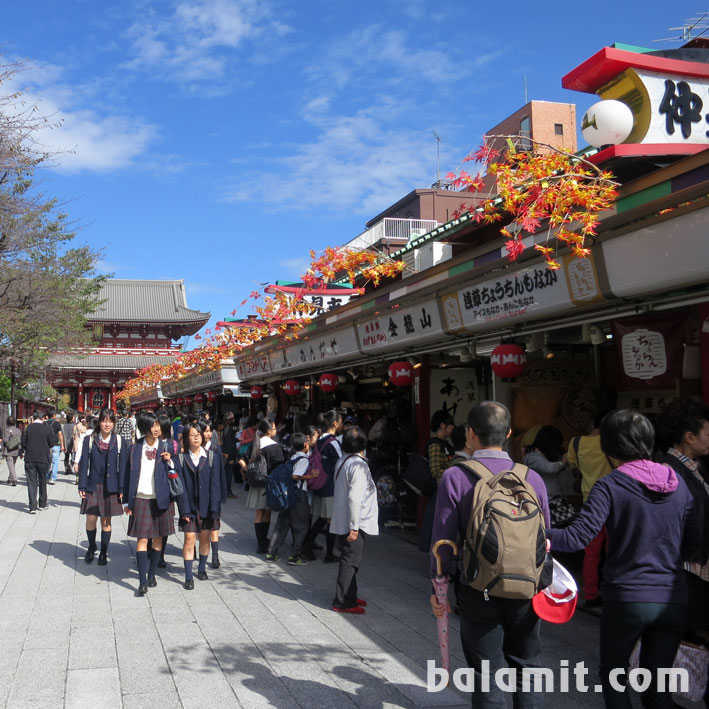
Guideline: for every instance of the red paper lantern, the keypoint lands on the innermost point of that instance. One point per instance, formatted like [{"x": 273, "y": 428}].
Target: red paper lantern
[
  {"x": 401, "y": 373},
  {"x": 257, "y": 392},
  {"x": 179, "y": 401},
  {"x": 328, "y": 382},
  {"x": 211, "y": 396},
  {"x": 291, "y": 387},
  {"x": 199, "y": 398},
  {"x": 508, "y": 361},
  {"x": 188, "y": 399}
]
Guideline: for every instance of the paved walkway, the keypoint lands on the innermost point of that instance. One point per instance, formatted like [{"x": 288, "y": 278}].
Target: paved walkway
[{"x": 253, "y": 635}]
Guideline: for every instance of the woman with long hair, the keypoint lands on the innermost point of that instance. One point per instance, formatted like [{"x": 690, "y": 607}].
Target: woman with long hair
[
  {"x": 201, "y": 477},
  {"x": 102, "y": 470},
  {"x": 264, "y": 445},
  {"x": 147, "y": 497},
  {"x": 211, "y": 444},
  {"x": 647, "y": 511}
]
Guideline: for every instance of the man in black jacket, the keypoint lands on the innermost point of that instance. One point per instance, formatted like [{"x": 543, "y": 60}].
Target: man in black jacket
[{"x": 37, "y": 442}]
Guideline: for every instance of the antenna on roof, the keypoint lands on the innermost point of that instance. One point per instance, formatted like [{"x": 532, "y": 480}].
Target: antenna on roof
[
  {"x": 692, "y": 28},
  {"x": 438, "y": 156}
]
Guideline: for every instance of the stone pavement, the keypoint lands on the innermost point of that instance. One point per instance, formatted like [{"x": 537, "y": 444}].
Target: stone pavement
[{"x": 253, "y": 635}]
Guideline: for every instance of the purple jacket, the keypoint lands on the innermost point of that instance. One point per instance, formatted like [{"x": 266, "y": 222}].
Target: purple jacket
[
  {"x": 647, "y": 511},
  {"x": 454, "y": 504}
]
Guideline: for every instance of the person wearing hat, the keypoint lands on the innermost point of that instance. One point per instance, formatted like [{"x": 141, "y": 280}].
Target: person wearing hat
[{"x": 647, "y": 510}]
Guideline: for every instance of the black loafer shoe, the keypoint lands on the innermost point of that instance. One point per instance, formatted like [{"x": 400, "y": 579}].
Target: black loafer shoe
[
  {"x": 89, "y": 556},
  {"x": 215, "y": 564},
  {"x": 202, "y": 575},
  {"x": 152, "y": 582},
  {"x": 189, "y": 585},
  {"x": 162, "y": 564},
  {"x": 142, "y": 589},
  {"x": 102, "y": 560}
]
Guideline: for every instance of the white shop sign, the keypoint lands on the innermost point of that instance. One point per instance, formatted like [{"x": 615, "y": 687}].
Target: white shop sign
[
  {"x": 253, "y": 367},
  {"x": 516, "y": 295},
  {"x": 454, "y": 390},
  {"x": 401, "y": 327},
  {"x": 305, "y": 352}
]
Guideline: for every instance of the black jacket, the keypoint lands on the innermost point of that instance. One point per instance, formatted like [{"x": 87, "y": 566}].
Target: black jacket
[
  {"x": 701, "y": 505},
  {"x": 37, "y": 442},
  {"x": 108, "y": 469},
  {"x": 202, "y": 485},
  {"x": 162, "y": 487}
]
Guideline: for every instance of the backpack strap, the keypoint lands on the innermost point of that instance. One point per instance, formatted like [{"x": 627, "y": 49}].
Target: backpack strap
[
  {"x": 475, "y": 466},
  {"x": 575, "y": 442},
  {"x": 181, "y": 456}
]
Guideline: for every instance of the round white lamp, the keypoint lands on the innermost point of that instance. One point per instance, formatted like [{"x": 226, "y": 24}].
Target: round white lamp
[{"x": 608, "y": 122}]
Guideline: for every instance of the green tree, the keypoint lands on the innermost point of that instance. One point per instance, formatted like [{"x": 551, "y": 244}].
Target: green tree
[{"x": 48, "y": 282}]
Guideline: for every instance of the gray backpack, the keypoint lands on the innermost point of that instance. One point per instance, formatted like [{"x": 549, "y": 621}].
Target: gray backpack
[{"x": 505, "y": 544}]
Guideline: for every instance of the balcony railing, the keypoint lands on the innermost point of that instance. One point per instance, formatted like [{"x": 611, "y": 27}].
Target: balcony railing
[{"x": 398, "y": 230}]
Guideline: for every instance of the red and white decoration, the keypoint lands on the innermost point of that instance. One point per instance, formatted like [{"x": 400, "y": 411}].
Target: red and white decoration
[
  {"x": 328, "y": 382},
  {"x": 401, "y": 373},
  {"x": 257, "y": 391},
  {"x": 291, "y": 387},
  {"x": 508, "y": 361},
  {"x": 199, "y": 398},
  {"x": 211, "y": 396}
]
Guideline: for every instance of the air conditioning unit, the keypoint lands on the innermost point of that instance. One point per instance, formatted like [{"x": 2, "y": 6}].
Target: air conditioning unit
[{"x": 431, "y": 255}]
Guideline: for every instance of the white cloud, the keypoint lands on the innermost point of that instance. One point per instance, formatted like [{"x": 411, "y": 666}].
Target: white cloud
[
  {"x": 196, "y": 41},
  {"x": 80, "y": 138},
  {"x": 360, "y": 163}
]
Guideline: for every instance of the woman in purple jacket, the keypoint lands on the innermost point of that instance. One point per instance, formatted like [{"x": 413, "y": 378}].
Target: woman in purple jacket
[{"x": 647, "y": 511}]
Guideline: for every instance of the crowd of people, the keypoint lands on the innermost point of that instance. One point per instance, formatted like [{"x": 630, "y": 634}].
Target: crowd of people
[{"x": 631, "y": 493}]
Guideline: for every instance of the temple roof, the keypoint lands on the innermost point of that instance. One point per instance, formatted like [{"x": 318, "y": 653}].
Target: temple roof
[
  {"x": 141, "y": 301},
  {"x": 128, "y": 363}
]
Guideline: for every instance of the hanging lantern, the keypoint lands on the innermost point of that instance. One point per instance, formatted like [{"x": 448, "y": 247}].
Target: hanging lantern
[
  {"x": 508, "y": 361},
  {"x": 189, "y": 399},
  {"x": 257, "y": 391},
  {"x": 211, "y": 396},
  {"x": 179, "y": 401},
  {"x": 328, "y": 382},
  {"x": 199, "y": 398},
  {"x": 291, "y": 387},
  {"x": 401, "y": 373}
]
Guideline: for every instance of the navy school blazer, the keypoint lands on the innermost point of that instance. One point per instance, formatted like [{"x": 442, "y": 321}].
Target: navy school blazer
[
  {"x": 109, "y": 471},
  {"x": 203, "y": 486},
  {"x": 219, "y": 461},
  {"x": 162, "y": 487}
]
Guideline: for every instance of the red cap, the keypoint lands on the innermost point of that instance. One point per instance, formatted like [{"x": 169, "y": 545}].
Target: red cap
[{"x": 557, "y": 602}]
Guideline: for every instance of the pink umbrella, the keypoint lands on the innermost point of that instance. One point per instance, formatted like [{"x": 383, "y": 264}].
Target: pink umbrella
[{"x": 440, "y": 585}]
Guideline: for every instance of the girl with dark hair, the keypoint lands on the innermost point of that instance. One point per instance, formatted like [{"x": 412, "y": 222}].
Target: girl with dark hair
[
  {"x": 647, "y": 510},
  {"x": 172, "y": 448},
  {"x": 683, "y": 427},
  {"x": 330, "y": 452},
  {"x": 148, "y": 501},
  {"x": 102, "y": 471},
  {"x": 546, "y": 456},
  {"x": 203, "y": 495},
  {"x": 211, "y": 444},
  {"x": 11, "y": 440},
  {"x": 265, "y": 445}
]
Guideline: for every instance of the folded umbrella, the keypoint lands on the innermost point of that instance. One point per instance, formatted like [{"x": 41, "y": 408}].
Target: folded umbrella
[{"x": 440, "y": 586}]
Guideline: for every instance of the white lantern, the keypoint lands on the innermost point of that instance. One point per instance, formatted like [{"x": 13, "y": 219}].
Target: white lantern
[{"x": 607, "y": 122}]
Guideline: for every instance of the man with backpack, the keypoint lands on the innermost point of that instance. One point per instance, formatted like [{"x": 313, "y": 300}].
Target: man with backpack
[{"x": 500, "y": 557}]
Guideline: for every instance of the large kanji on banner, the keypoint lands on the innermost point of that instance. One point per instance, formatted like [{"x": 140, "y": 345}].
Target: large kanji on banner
[{"x": 650, "y": 351}]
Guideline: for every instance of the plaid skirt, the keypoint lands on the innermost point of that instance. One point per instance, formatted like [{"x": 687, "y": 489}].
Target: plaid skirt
[
  {"x": 200, "y": 524},
  {"x": 148, "y": 520},
  {"x": 102, "y": 503}
]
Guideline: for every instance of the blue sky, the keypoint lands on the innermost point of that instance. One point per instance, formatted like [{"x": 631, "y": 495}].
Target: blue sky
[{"x": 219, "y": 141}]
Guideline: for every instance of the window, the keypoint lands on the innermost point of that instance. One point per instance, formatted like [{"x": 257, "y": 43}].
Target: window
[
  {"x": 525, "y": 133},
  {"x": 558, "y": 129}
]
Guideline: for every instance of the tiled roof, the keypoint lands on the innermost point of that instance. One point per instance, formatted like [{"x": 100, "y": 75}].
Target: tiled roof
[
  {"x": 145, "y": 301},
  {"x": 96, "y": 361}
]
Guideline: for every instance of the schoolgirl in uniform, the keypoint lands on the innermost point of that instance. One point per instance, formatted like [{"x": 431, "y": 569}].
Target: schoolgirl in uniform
[
  {"x": 147, "y": 497},
  {"x": 212, "y": 444},
  {"x": 265, "y": 445},
  {"x": 202, "y": 499},
  {"x": 171, "y": 446},
  {"x": 102, "y": 471}
]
